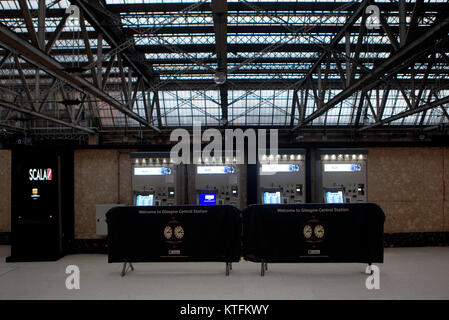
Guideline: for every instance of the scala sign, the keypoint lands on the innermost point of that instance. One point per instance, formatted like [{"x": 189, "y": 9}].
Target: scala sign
[{"x": 40, "y": 174}]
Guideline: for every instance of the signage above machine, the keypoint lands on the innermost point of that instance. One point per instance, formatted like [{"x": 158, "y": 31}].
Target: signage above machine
[
  {"x": 40, "y": 174},
  {"x": 342, "y": 167},
  {"x": 152, "y": 171},
  {"x": 280, "y": 168},
  {"x": 215, "y": 170}
]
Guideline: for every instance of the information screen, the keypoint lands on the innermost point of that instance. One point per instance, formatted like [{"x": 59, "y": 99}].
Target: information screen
[
  {"x": 152, "y": 171},
  {"x": 35, "y": 194},
  {"x": 144, "y": 199},
  {"x": 272, "y": 197},
  {"x": 215, "y": 169},
  {"x": 208, "y": 199},
  {"x": 342, "y": 167},
  {"x": 280, "y": 168},
  {"x": 334, "y": 197}
]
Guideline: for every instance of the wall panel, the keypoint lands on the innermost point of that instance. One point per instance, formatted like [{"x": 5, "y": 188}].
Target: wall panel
[
  {"x": 5, "y": 191},
  {"x": 408, "y": 184},
  {"x": 96, "y": 182}
]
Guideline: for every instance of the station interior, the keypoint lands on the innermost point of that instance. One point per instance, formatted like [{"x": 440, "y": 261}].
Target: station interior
[{"x": 272, "y": 150}]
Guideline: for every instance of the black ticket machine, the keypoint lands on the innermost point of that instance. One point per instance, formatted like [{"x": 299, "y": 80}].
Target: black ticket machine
[{"x": 42, "y": 204}]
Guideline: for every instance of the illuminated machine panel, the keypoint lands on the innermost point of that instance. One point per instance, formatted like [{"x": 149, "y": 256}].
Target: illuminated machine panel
[
  {"x": 341, "y": 175},
  {"x": 272, "y": 197},
  {"x": 152, "y": 171},
  {"x": 275, "y": 168},
  {"x": 334, "y": 196},
  {"x": 281, "y": 177},
  {"x": 342, "y": 167},
  {"x": 155, "y": 179},
  {"x": 216, "y": 183},
  {"x": 144, "y": 200},
  {"x": 207, "y": 199},
  {"x": 215, "y": 169}
]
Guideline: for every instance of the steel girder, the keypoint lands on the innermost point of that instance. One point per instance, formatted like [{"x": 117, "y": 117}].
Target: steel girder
[
  {"x": 407, "y": 113},
  {"x": 397, "y": 62},
  {"x": 219, "y": 12},
  {"x": 319, "y": 86},
  {"x": 306, "y": 6},
  {"x": 38, "y": 58},
  {"x": 8, "y": 105}
]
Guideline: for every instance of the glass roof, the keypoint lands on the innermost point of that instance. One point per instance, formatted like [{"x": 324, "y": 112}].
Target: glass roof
[{"x": 269, "y": 55}]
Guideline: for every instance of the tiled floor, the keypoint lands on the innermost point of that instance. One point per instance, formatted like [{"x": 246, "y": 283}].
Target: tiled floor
[{"x": 408, "y": 273}]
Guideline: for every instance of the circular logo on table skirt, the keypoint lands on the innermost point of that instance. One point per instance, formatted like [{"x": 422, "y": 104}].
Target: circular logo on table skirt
[
  {"x": 313, "y": 231},
  {"x": 174, "y": 232}
]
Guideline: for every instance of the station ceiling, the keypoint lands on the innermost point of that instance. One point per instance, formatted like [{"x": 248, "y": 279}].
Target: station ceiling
[{"x": 79, "y": 67}]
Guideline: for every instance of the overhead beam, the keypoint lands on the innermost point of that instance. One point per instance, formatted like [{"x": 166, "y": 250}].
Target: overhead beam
[
  {"x": 41, "y": 60},
  {"x": 294, "y": 106},
  {"x": 220, "y": 17},
  {"x": 397, "y": 59},
  {"x": 244, "y": 48},
  {"x": 264, "y": 63},
  {"x": 12, "y": 128},
  {"x": 8, "y": 105},
  {"x": 407, "y": 113},
  {"x": 389, "y": 33},
  {"x": 200, "y": 30},
  {"x": 238, "y": 84},
  {"x": 24, "y": 83},
  {"x": 294, "y": 6},
  {"x": 41, "y": 23},
  {"x": 28, "y": 22},
  {"x": 343, "y": 31},
  {"x": 5, "y": 58},
  {"x": 56, "y": 34},
  {"x": 413, "y": 25},
  {"x": 307, "y": 6},
  {"x": 402, "y": 22},
  {"x": 110, "y": 33}
]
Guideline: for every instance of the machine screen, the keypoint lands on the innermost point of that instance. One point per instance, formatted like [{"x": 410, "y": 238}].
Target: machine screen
[
  {"x": 152, "y": 171},
  {"x": 272, "y": 197},
  {"x": 334, "y": 197},
  {"x": 342, "y": 167},
  {"x": 35, "y": 193},
  {"x": 208, "y": 199},
  {"x": 144, "y": 199},
  {"x": 215, "y": 170},
  {"x": 280, "y": 168}
]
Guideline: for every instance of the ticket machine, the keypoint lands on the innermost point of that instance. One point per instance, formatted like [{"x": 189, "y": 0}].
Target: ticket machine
[
  {"x": 341, "y": 175},
  {"x": 282, "y": 178},
  {"x": 219, "y": 182},
  {"x": 156, "y": 180}
]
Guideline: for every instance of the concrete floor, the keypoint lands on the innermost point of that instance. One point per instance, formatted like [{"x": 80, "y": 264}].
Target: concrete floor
[{"x": 408, "y": 273}]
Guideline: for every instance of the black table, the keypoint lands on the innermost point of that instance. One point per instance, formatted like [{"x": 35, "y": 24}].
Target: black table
[
  {"x": 174, "y": 233},
  {"x": 313, "y": 233}
]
